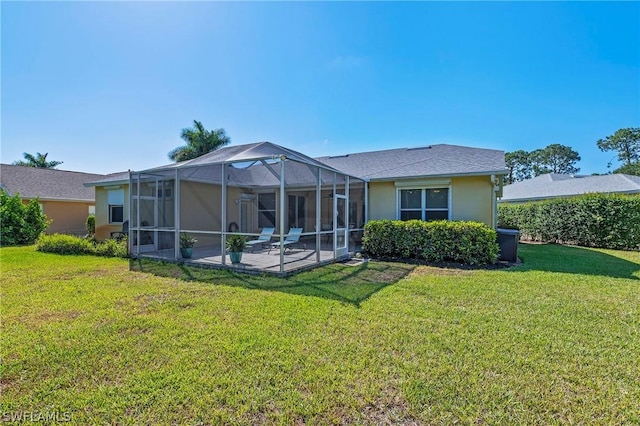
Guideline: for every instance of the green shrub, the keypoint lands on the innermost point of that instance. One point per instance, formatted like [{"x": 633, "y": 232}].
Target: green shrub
[
  {"x": 592, "y": 220},
  {"x": 20, "y": 223},
  {"x": 68, "y": 244},
  {"x": 112, "y": 248},
  {"x": 64, "y": 244},
  {"x": 472, "y": 243},
  {"x": 91, "y": 225}
]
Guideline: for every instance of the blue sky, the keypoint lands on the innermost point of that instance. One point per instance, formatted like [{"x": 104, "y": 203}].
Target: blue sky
[{"x": 107, "y": 86}]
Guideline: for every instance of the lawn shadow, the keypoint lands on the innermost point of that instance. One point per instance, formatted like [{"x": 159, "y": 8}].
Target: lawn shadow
[
  {"x": 347, "y": 284},
  {"x": 574, "y": 260}
]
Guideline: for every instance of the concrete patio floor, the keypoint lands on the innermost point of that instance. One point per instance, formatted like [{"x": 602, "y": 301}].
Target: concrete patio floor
[{"x": 259, "y": 260}]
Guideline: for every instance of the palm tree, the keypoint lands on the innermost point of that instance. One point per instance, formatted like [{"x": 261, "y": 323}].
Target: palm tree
[
  {"x": 39, "y": 161},
  {"x": 199, "y": 142}
]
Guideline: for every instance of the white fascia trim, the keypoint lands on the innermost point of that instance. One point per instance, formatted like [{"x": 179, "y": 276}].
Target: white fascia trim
[
  {"x": 110, "y": 183},
  {"x": 423, "y": 183},
  {"x": 454, "y": 175},
  {"x": 63, "y": 200}
]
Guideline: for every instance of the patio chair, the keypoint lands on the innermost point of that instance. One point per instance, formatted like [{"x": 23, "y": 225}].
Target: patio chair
[
  {"x": 292, "y": 238},
  {"x": 118, "y": 235},
  {"x": 264, "y": 238}
]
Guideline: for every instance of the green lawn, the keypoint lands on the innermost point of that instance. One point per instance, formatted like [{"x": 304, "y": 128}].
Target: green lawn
[{"x": 555, "y": 340}]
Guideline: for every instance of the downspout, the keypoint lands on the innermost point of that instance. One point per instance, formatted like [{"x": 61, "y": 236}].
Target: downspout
[
  {"x": 494, "y": 202},
  {"x": 366, "y": 202}
]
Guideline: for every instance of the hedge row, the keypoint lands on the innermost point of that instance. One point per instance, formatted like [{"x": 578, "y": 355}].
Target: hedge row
[
  {"x": 67, "y": 244},
  {"x": 472, "y": 243},
  {"x": 593, "y": 220}
]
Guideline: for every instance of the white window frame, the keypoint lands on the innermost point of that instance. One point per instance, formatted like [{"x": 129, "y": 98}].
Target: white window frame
[
  {"x": 423, "y": 200},
  {"x": 112, "y": 205}
]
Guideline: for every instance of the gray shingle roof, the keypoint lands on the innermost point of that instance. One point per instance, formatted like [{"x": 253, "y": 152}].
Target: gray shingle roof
[
  {"x": 433, "y": 160},
  {"x": 119, "y": 177},
  {"x": 561, "y": 185},
  {"x": 47, "y": 184}
]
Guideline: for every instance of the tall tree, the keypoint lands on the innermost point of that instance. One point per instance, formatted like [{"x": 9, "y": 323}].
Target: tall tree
[
  {"x": 626, "y": 142},
  {"x": 199, "y": 142},
  {"x": 38, "y": 160},
  {"x": 555, "y": 158},
  {"x": 629, "y": 169},
  {"x": 519, "y": 165}
]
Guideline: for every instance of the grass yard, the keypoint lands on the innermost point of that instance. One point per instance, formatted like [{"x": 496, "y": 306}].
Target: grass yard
[{"x": 555, "y": 340}]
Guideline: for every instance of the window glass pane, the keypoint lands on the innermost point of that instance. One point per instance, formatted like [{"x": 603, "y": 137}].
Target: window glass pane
[
  {"x": 412, "y": 214},
  {"x": 267, "y": 201},
  {"x": 437, "y": 198},
  {"x": 436, "y": 215},
  {"x": 411, "y": 199},
  {"x": 116, "y": 214},
  {"x": 115, "y": 196},
  {"x": 266, "y": 219}
]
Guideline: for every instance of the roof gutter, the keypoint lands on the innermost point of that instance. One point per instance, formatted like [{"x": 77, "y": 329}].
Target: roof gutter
[
  {"x": 485, "y": 173},
  {"x": 66, "y": 200},
  {"x": 106, "y": 183}
]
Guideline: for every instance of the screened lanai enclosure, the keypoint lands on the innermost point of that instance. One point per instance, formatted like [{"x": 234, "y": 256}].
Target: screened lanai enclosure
[{"x": 294, "y": 211}]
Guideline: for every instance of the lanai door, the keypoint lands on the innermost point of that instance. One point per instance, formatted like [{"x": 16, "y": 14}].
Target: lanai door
[{"x": 340, "y": 223}]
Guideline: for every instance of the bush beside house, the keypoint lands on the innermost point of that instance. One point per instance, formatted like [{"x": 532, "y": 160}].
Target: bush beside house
[
  {"x": 68, "y": 244},
  {"x": 593, "y": 220},
  {"x": 471, "y": 243},
  {"x": 20, "y": 223}
]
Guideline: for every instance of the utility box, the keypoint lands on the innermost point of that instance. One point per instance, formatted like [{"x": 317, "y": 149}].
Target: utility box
[{"x": 508, "y": 242}]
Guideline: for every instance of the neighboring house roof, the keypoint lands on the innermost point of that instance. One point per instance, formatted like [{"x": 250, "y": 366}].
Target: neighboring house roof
[
  {"x": 110, "y": 179},
  {"x": 433, "y": 160},
  {"x": 561, "y": 185},
  {"x": 47, "y": 184}
]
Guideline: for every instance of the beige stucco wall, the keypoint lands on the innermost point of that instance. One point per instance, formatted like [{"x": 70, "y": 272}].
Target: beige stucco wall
[
  {"x": 200, "y": 206},
  {"x": 68, "y": 217},
  {"x": 103, "y": 227},
  {"x": 382, "y": 200},
  {"x": 472, "y": 198}
]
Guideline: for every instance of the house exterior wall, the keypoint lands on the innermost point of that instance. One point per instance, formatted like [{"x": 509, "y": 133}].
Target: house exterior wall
[
  {"x": 68, "y": 217},
  {"x": 103, "y": 227},
  {"x": 382, "y": 200},
  {"x": 471, "y": 198},
  {"x": 200, "y": 206}
]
